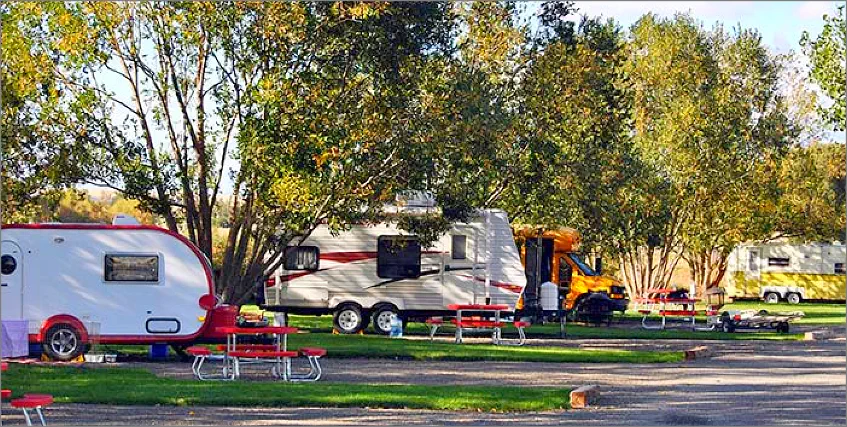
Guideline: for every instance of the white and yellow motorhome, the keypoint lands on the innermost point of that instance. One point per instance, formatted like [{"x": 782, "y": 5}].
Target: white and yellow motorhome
[{"x": 779, "y": 271}]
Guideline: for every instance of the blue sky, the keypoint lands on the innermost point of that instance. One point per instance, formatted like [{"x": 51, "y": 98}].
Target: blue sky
[{"x": 781, "y": 23}]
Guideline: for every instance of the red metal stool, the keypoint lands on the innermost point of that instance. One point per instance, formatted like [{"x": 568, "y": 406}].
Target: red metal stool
[{"x": 33, "y": 401}]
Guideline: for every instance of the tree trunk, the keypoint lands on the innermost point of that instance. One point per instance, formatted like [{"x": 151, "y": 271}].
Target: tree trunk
[{"x": 707, "y": 269}]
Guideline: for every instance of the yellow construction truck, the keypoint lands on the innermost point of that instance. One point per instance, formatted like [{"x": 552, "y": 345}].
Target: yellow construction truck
[{"x": 559, "y": 263}]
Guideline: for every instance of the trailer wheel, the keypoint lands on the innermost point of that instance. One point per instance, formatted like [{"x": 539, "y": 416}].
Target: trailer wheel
[
  {"x": 63, "y": 342},
  {"x": 771, "y": 297},
  {"x": 348, "y": 319},
  {"x": 793, "y": 298},
  {"x": 382, "y": 319},
  {"x": 782, "y": 327}
]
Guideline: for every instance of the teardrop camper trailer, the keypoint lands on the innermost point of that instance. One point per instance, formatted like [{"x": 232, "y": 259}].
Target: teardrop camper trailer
[
  {"x": 125, "y": 283},
  {"x": 376, "y": 271}
]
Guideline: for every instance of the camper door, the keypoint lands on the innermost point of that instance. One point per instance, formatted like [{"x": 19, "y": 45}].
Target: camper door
[
  {"x": 11, "y": 295},
  {"x": 464, "y": 263},
  {"x": 753, "y": 263}
]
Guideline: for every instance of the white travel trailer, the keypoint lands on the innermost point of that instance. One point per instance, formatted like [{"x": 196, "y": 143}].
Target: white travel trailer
[
  {"x": 782, "y": 271},
  {"x": 376, "y": 271},
  {"x": 80, "y": 284}
]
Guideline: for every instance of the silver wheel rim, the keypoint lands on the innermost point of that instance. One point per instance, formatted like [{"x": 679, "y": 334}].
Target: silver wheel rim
[
  {"x": 772, "y": 299},
  {"x": 383, "y": 320},
  {"x": 793, "y": 299},
  {"x": 63, "y": 342},
  {"x": 348, "y": 320}
]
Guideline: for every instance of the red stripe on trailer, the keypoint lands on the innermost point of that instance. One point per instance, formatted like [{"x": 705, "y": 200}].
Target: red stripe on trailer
[
  {"x": 511, "y": 287},
  {"x": 347, "y": 256}
]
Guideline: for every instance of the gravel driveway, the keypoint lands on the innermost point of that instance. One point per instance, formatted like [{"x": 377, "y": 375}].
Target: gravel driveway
[{"x": 744, "y": 383}]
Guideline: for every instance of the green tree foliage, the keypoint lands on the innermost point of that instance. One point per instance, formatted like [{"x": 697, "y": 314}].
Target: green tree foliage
[
  {"x": 328, "y": 126},
  {"x": 463, "y": 136},
  {"x": 668, "y": 143},
  {"x": 811, "y": 183},
  {"x": 311, "y": 99},
  {"x": 826, "y": 54},
  {"x": 82, "y": 206},
  {"x": 709, "y": 117},
  {"x": 38, "y": 118}
]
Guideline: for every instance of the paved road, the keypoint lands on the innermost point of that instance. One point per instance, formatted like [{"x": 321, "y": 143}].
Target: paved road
[{"x": 744, "y": 383}]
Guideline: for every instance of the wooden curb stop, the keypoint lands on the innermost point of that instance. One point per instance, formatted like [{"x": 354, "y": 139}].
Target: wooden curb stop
[
  {"x": 700, "y": 352},
  {"x": 582, "y": 396},
  {"x": 819, "y": 335}
]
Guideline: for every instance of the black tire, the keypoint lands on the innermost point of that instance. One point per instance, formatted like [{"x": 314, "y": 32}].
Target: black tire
[
  {"x": 63, "y": 342},
  {"x": 771, "y": 298},
  {"x": 349, "y": 319},
  {"x": 793, "y": 298},
  {"x": 382, "y": 318},
  {"x": 728, "y": 326},
  {"x": 783, "y": 328},
  {"x": 574, "y": 313}
]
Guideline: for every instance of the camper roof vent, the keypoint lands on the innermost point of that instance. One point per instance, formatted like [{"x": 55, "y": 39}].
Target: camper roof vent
[
  {"x": 124, "y": 219},
  {"x": 416, "y": 199}
]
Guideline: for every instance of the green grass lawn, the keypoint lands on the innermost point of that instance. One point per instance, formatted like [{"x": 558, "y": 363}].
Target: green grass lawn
[
  {"x": 372, "y": 346},
  {"x": 324, "y": 324},
  {"x": 377, "y": 346},
  {"x": 124, "y": 386}
]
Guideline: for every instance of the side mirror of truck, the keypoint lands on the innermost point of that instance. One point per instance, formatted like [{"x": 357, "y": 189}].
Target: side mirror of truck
[{"x": 598, "y": 265}]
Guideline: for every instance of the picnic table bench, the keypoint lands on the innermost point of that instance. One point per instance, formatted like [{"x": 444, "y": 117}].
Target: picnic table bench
[
  {"x": 659, "y": 304},
  {"x": 480, "y": 320},
  {"x": 234, "y": 355}
]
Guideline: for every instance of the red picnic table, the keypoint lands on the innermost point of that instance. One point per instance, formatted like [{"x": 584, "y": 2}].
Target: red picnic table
[
  {"x": 473, "y": 323},
  {"x": 683, "y": 307},
  {"x": 277, "y": 354}
]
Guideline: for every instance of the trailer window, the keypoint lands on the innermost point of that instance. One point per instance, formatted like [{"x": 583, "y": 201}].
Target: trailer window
[
  {"x": 8, "y": 264},
  {"x": 459, "y": 247},
  {"x": 398, "y": 257},
  {"x": 302, "y": 258},
  {"x": 839, "y": 268},
  {"x": 779, "y": 262},
  {"x": 132, "y": 268}
]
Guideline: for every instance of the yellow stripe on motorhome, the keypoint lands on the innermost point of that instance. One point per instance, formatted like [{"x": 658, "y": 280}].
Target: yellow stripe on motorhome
[{"x": 818, "y": 286}]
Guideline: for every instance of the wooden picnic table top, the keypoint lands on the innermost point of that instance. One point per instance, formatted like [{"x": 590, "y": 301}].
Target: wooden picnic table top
[
  {"x": 479, "y": 307},
  {"x": 277, "y": 330}
]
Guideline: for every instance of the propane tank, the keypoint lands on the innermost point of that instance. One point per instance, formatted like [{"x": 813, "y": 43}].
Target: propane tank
[{"x": 549, "y": 296}]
